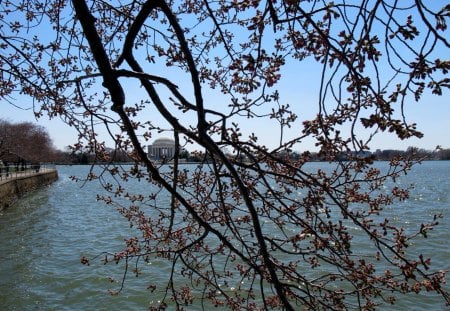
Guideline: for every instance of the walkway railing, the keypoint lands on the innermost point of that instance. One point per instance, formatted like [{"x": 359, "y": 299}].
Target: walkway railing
[{"x": 13, "y": 171}]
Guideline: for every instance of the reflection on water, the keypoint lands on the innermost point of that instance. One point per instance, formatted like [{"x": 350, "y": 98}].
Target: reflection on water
[{"x": 44, "y": 235}]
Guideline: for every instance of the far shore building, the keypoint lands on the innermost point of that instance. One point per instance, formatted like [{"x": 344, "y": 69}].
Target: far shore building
[{"x": 162, "y": 149}]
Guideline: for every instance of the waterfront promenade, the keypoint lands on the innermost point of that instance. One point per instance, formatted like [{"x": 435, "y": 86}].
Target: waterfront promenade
[
  {"x": 11, "y": 172},
  {"x": 14, "y": 182}
]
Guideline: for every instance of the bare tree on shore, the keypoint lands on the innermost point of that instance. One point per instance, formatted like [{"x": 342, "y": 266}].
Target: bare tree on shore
[{"x": 26, "y": 142}]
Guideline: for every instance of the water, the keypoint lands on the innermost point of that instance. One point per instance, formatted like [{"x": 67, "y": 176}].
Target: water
[{"x": 45, "y": 234}]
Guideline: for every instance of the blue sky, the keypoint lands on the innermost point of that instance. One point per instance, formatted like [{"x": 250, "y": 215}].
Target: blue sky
[
  {"x": 298, "y": 88},
  {"x": 432, "y": 115}
]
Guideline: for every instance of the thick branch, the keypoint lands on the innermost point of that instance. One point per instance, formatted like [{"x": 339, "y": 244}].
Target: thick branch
[{"x": 110, "y": 82}]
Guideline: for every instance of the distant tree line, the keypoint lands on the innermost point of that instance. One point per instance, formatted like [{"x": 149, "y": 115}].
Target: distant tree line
[
  {"x": 31, "y": 143},
  {"x": 70, "y": 156},
  {"x": 120, "y": 156},
  {"x": 443, "y": 154},
  {"x": 437, "y": 154},
  {"x": 379, "y": 155}
]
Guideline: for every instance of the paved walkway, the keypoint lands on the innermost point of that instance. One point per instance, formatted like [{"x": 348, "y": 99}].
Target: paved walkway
[{"x": 20, "y": 174}]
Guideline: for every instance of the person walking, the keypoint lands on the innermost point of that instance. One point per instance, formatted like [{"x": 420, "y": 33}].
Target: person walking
[{"x": 7, "y": 169}]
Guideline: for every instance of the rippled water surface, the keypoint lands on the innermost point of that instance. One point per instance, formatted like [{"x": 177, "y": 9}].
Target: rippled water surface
[{"x": 44, "y": 235}]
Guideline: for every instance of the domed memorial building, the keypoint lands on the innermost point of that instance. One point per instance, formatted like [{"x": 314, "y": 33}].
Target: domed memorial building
[{"x": 162, "y": 149}]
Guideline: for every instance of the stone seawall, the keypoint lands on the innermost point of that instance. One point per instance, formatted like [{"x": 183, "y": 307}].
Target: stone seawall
[{"x": 13, "y": 188}]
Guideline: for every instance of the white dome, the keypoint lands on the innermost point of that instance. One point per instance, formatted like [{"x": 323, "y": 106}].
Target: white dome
[{"x": 164, "y": 142}]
